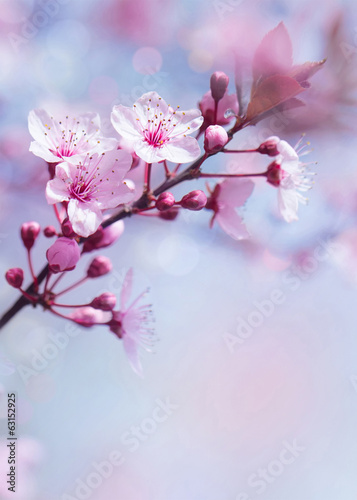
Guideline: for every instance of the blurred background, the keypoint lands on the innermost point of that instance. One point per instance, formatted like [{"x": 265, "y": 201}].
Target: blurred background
[{"x": 244, "y": 397}]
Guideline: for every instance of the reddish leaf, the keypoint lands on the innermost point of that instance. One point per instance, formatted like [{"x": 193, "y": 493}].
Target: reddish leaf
[
  {"x": 281, "y": 108},
  {"x": 303, "y": 72},
  {"x": 270, "y": 93},
  {"x": 274, "y": 54},
  {"x": 291, "y": 104}
]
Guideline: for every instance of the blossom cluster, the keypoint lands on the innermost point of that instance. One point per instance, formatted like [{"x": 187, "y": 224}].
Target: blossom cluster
[{"x": 93, "y": 182}]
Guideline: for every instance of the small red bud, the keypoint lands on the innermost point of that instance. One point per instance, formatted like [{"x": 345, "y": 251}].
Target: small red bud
[
  {"x": 165, "y": 201},
  {"x": 99, "y": 266},
  {"x": 49, "y": 231},
  {"x": 15, "y": 277},
  {"x": 67, "y": 229},
  {"x": 169, "y": 214},
  {"x": 105, "y": 302},
  {"x": 269, "y": 147},
  {"x": 29, "y": 233},
  {"x": 219, "y": 84},
  {"x": 195, "y": 200}
]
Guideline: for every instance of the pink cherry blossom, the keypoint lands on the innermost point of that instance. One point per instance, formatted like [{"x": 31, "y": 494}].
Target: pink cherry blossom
[
  {"x": 228, "y": 102},
  {"x": 227, "y": 196},
  {"x": 287, "y": 173},
  {"x": 132, "y": 324},
  {"x": 90, "y": 185},
  {"x": 59, "y": 139},
  {"x": 156, "y": 132}
]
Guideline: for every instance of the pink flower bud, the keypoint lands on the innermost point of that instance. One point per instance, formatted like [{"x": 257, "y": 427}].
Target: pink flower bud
[
  {"x": 196, "y": 200},
  {"x": 269, "y": 147},
  {"x": 29, "y": 233},
  {"x": 15, "y": 277},
  {"x": 87, "y": 316},
  {"x": 165, "y": 201},
  {"x": 169, "y": 214},
  {"x": 63, "y": 255},
  {"x": 215, "y": 138},
  {"x": 104, "y": 237},
  {"x": 105, "y": 302},
  {"x": 99, "y": 266},
  {"x": 219, "y": 84},
  {"x": 67, "y": 229},
  {"x": 49, "y": 231}
]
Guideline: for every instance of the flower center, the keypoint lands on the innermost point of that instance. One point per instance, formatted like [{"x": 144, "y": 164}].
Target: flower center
[
  {"x": 67, "y": 139},
  {"x": 156, "y": 133},
  {"x": 85, "y": 182}
]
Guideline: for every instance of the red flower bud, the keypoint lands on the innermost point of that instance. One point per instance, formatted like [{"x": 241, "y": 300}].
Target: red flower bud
[
  {"x": 29, "y": 233},
  {"x": 104, "y": 237},
  {"x": 195, "y": 200},
  {"x": 169, "y": 214},
  {"x": 215, "y": 138},
  {"x": 49, "y": 231},
  {"x": 105, "y": 302},
  {"x": 269, "y": 147},
  {"x": 67, "y": 229},
  {"x": 99, "y": 267},
  {"x": 15, "y": 277},
  {"x": 219, "y": 84},
  {"x": 165, "y": 201}
]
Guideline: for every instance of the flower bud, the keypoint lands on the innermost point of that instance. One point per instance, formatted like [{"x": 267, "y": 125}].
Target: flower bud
[
  {"x": 269, "y": 147},
  {"x": 215, "y": 138},
  {"x": 219, "y": 84},
  {"x": 195, "y": 200},
  {"x": 103, "y": 237},
  {"x": 99, "y": 266},
  {"x": 169, "y": 214},
  {"x": 63, "y": 255},
  {"x": 15, "y": 277},
  {"x": 67, "y": 229},
  {"x": 274, "y": 174},
  {"x": 165, "y": 201},
  {"x": 87, "y": 316},
  {"x": 105, "y": 302},
  {"x": 49, "y": 231},
  {"x": 29, "y": 233}
]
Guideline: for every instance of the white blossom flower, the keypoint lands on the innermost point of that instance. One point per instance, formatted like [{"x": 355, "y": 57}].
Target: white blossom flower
[{"x": 157, "y": 132}]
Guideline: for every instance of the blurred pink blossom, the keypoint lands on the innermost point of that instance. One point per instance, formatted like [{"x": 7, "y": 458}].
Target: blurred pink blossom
[
  {"x": 132, "y": 324},
  {"x": 226, "y": 197}
]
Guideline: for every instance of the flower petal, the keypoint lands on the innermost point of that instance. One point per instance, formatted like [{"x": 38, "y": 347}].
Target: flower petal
[
  {"x": 288, "y": 204},
  {"x": 187, "y": 122},
  {"x": 232, "y": 223},
  {"x": 150, "y": 105},
  {"x": 126, "y": 289},
  {"x": 84, "y": 217},
  {"x": 181, "y": 150},
  {"x": 235, "y": 192},
  {"x": 126, "y": 123},
  {"x": 56, "y": 191},
  {"x": 131, "y": 350},
  {"x": 43, "y": 152}
]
